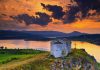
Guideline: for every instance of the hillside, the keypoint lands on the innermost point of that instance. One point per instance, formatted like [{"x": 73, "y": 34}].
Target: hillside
[
  {"x": 20, "y": 35},
  {"x": 48, "y": 35},
  {"x": 12, "y": 34},
  {"x": 92, "y": 38},
  {"x": 30, "y": 35},
  {"x": 75, "y": 33},
  {"x": 78, "y": 59}
]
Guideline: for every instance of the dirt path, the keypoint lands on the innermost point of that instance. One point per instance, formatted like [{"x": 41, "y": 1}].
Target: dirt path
[{"x": 16, "y": 63}]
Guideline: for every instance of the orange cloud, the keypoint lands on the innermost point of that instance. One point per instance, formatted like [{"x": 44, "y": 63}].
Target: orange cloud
[
  {"x": 86, "y": 23},
  {"x": 88, "y": 26},
  {"x": 13, "y": 7}
]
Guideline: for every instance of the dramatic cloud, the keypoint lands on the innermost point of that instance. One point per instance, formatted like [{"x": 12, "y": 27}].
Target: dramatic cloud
[
  {"x": 57, "y": 11},
  {"x": 41, "y": 18},
  {"x": 57, "y": 15},
  {"x": 12, "y": 25},
  {"x": 70, "y": 15},
  {"x": 86, "y": 5},
  {"x": 3, "y": 14},
  {"x": 81, "y": 10}
]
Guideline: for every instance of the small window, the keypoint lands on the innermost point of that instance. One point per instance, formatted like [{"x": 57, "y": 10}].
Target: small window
[{"x": 58, "y": 42}]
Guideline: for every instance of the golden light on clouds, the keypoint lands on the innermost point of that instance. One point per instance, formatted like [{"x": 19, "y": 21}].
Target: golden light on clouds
[
  {"x": 30, "y": 7},
  {"x": 13, "y": 7},
  {"x": 88, "y": 26}
]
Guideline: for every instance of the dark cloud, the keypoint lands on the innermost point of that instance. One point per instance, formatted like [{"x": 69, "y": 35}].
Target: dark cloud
[
  {"x": 57, "y": 11},
  {"x": 43, "y": 18},
  {"x": 83, "y": 6},
  {"x": 3, "y": 14},
  {"x": 11, "y": 25},
  {"x": 86, "y": 5},
  {"x": 70, "y": 15}
]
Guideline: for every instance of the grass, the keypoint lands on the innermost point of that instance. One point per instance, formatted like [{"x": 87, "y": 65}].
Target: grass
[
  {"x": 41, "y": 61},
  {"x": 45, "y": 63},
  {"x": 81, "y": 53},
  {"x": 36, "y": 62},
  {"x": 8, "y": 55},
  {"x": 20, "y": 51},
  {"x": 5, "y": 58},
  {"x": 98, "y": 66}
]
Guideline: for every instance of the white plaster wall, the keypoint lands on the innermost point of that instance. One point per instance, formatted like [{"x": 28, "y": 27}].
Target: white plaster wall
[{"x": 56, "y": 49}]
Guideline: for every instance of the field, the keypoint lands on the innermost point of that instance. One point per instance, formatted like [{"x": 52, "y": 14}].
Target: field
[
  {"x": 27, "y": 59},
  {"x": 7, "y": 55},
  {"x": 5, "y": 58},
  {"x": 12, "y": 58}
]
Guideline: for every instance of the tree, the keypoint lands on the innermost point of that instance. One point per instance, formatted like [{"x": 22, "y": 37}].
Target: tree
[{"x": 2, "y": 47}]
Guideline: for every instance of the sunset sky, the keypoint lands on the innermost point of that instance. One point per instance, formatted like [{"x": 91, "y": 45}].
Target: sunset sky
[{"x": 50, "y": 15}]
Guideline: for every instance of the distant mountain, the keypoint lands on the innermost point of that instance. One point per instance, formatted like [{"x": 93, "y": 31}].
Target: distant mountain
[
  {"x": 30, "y": 35},
  {"x": 14, "y": 35},
  {"x": 48, "y": 35},
  {"x": 92, "y": 38},
  {"x": 75, "y": 33}
]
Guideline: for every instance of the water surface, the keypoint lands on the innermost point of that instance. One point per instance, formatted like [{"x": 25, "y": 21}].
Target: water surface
[{"x": 90, "y": 48}]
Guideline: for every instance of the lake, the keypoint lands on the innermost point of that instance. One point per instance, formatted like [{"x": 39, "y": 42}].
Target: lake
[{"x": 91, "y": 49}]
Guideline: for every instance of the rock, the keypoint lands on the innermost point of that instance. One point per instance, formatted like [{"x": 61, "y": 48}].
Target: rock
[{"x": 74, "y": 62}]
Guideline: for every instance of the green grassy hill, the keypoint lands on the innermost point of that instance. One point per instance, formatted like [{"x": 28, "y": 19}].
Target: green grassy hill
[
  {"x": 78, "y": 59},
  {"x": 8, "y": 55}
]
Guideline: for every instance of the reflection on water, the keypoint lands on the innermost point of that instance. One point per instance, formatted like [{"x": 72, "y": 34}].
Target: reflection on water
[
  {"x": 25, "y": 44},
  {"x": 90, "y": 48}
]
